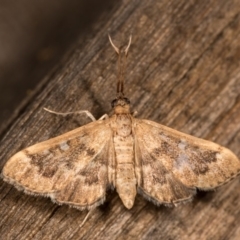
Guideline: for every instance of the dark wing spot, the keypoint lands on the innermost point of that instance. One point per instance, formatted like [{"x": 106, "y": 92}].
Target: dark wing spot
[
  {"x": 49, "y": 172},
  {"x": 157, "y": 151},
  {"x": 168, "y": 149},
  {"x": 90, "y": 173},
  {"x": 200, "y": 159},
  {"x": 147, "y": 159},
  {"x": 69, "y": 165},
  {"x": 90, "y": 151},
  {"x": 83, "y": 172},
  {"x": 54, "y": 150},
  {"x": 159, "y": 179},
  {"x": 37, "y": 160},
  {"x": 210, "y": 156},
  {"x": 158, "y": 171},
  {"x": 46, "y": 166},
  {"x": 164, "y": 146},
  {"x": 200, "y": 169},
  {"x": 91, "y": 179},
  {"x": 82, "y": 147}
]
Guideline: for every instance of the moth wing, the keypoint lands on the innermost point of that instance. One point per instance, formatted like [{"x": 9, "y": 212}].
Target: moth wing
[
  {"x": 170, "y": 165},
  {"x": 71, "y": 168}
]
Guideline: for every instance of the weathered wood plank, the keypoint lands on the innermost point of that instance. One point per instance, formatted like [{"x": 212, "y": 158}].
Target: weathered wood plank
[{"x": 183, "y": 71}]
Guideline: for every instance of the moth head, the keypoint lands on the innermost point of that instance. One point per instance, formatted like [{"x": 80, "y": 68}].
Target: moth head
[{"x": 121, "y": 105}]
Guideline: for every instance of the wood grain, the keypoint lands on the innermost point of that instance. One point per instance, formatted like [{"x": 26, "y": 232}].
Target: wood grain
[{"x": 184, "y": 72}]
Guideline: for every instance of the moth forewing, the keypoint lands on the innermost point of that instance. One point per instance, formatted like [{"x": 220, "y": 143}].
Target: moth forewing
[{"x": 71, "y": 168}]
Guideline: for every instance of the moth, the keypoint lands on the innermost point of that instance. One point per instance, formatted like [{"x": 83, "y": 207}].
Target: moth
[{"x": 122, "y": 152}]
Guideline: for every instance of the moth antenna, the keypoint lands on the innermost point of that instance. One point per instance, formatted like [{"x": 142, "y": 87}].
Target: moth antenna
[
  {"x": 86, "y": 217},
  {"x": 115, "y": 48},
  {"x": 121, "y": 65},
  {"x": 128, "y": 46}
]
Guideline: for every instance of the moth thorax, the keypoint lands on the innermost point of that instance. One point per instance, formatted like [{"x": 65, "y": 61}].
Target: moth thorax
[
  {"x": 124, "y": 129},
  {"x": 122, "y": 109}
]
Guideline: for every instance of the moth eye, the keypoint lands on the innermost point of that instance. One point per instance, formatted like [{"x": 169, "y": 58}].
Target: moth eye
[
  {"x": 114, "y": 102},
  {"x": 127, "y": 100}
]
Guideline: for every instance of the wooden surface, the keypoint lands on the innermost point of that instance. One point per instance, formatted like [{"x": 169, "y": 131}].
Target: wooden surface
[{"x": 183, "y": 71}]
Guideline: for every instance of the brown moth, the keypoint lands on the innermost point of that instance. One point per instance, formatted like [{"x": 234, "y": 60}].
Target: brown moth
[{"x": 122, "y": 152}]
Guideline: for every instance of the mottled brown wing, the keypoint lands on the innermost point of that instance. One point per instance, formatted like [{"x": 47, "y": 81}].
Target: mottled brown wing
[
  {"x": 170, "y": 165},
  {"x": 72, "y": 168}
]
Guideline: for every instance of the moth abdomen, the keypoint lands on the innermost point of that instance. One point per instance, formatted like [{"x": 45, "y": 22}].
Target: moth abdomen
[
  {"x": 125, "y": 173},
  {"x": 126, "y": 183}
]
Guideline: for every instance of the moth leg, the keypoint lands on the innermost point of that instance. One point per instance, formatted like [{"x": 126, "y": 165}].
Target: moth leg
[
  {"x": 135, "y": 113},
  {"x": 105, "y": 116},
  {"x": 67, "y": 113},
  {"x": 86, "y": 217}
]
